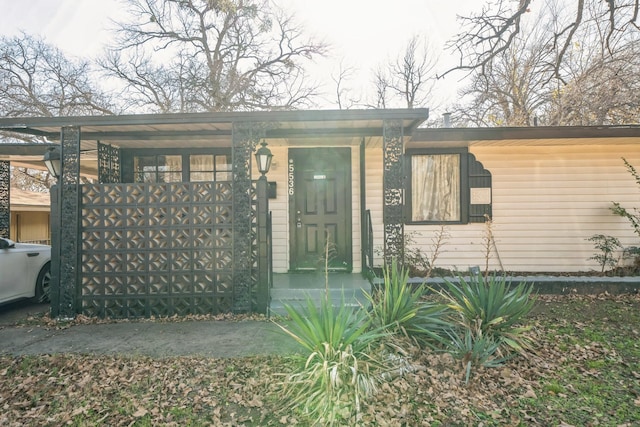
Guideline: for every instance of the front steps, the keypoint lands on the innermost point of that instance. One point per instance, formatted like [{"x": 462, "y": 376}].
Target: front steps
[{"x": 294, "y": 289}]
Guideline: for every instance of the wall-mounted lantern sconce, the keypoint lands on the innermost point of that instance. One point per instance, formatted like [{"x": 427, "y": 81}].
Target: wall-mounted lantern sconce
[
  {"x": 263, "y": 158},
  {"x": 52, "y": 161}
]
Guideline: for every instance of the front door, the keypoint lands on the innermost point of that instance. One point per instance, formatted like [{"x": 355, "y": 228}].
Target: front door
[{"x": 320, "y": 208}]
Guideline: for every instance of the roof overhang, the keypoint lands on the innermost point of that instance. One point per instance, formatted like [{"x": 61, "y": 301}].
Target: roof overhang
[
  {"x": 519, "y": 136},
  {"x": 26, "y": 155},
  {"x": 215, "y": 129}
]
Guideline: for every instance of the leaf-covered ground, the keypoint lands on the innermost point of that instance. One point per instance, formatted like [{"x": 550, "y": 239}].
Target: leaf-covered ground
[{"x": 585, "y": 372}]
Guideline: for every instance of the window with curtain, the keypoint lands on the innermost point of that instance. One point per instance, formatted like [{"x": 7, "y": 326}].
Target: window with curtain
[
  {"x": 170, "y": 167},
  {"x": 157, "y": 168},
  {"x": 209, "y": 167},
  {"x": 436, "y": 187}
]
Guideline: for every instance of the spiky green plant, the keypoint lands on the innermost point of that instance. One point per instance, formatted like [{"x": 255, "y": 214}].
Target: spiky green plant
[
  {"x": 398, "y": 307},
  {"x": 474, "y": 350},
  {"x": 342, "y": 366},
  {"x": 491, "y": 308}
]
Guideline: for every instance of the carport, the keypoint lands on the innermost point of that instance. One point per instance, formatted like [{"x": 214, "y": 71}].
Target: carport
[{"x": 16, "y": 154}]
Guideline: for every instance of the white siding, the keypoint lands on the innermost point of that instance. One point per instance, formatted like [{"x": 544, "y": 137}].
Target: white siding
[
  {"x": 547, "y": 201},
  {"x": 280, "y": 210},
  {"x": 373, "y": 180},
  {"x": 355, "y": 210}
]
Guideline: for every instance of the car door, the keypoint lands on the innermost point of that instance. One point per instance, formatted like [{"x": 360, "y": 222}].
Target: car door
[{"x": 13, "y": 275}]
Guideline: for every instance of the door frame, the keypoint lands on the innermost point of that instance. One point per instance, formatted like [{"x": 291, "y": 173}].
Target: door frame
[{"x": 347, "y": 173}]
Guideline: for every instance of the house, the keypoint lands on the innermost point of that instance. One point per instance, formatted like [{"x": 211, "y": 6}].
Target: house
[
  {"x": 177, "y": 222},
  {"x": 30, "y": 221}
]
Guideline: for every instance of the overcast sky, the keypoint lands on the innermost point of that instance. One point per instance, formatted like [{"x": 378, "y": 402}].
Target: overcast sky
[{"x": 361, "y": 33}]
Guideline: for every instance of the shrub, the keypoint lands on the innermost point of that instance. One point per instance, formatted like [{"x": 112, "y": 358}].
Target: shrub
[
  {"x": 474, "y": 350},
  {"x": 492, "y": 309},
  {"x": 398, "y": 307},
  {"x": 633, "y": 216},
  {"x": 342, "y": 366},
  {"x": 606, "y": 245}
]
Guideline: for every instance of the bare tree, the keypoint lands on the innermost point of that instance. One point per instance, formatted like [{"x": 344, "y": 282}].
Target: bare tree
[
  {"x": 599, "y": 84},
  {"x": 381, "y": 84},
  {"x": 487, "y": 34},
  {"x": 512, "y": 87},
  {"x": 211, "y": 55},
  {"x": 410, "y": 77},
  {"x": 344, "y": 96},
  {"x": 36, "y": 79}
]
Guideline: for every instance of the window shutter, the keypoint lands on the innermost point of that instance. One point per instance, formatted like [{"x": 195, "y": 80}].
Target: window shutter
[{"x": 479, "y": 191}]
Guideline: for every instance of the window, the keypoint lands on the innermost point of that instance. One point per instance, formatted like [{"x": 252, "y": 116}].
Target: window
[
  {"x": 440, "y": 185},
  {"x": 209, "y": 167},
  {"x": 157, "y": 168},
  {"x": 173, "y": 167},
  {"x": 435, "y": 187}
]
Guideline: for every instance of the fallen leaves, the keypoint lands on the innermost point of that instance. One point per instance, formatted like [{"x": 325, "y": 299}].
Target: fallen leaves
[{"x": 545, "y": 388}]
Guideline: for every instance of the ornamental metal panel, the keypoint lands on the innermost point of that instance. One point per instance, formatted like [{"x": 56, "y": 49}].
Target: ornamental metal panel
[
  {"x": 246, "y": 136},
  {"x": 108, "y": 164},
  {"x": 157, "y": 249},
  {"x": 5, "y": 198},
  {"x": 69, "y": 227},
  {"x": 393, "y": 191},
  {"x": 480, "y": 189}
]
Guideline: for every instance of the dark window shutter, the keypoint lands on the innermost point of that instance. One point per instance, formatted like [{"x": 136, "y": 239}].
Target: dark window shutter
[{"x": 479, "y": 178}]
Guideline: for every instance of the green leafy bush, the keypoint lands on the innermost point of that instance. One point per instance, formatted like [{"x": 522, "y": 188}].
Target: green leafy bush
[
  {"x": 606, "y": 246},
  {"x": 491, "y": 308},
  {"x": 343, "y": 364},
  {"x": 633, "y": 215}
]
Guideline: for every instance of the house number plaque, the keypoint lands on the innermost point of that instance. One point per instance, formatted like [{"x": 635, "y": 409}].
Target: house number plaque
[{"x": 290, "y": 178}]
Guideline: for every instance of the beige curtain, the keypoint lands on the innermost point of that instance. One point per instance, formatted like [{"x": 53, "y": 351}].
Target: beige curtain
[
  {"x": 171, "y": 171},
  {"x": 201, "y": 167},
  {"x": 435, "y": 187}
]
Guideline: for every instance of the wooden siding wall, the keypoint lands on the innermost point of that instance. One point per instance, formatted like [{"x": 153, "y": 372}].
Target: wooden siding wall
[
  {"x": 547, "y": 201},
  {"x": 280, "y": 208},
  {"x": 30, "y": 226}
]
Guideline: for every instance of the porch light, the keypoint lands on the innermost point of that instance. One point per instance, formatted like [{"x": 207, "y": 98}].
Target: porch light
[
  {"x": 263, "y": 157},
  {"x": 52, "y": 161}
]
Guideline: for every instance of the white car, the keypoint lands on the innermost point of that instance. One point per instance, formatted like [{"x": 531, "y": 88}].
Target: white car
[{"x": 25, "y": 271}]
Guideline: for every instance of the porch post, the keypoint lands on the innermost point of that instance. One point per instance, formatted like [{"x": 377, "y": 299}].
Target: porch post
[
  {"x": 5, "y": 198},
  {"x": 245, "y": 136},
  {"x": 67, "y": 285},
  {"x": 262, "y": 296},
  {"x": 393, "y": 191}
]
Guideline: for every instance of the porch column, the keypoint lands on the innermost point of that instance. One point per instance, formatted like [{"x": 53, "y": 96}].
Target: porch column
[
  {"x": 65, "y": 283},
  {"x": 5, "y": 198},
  {"x": 393, "y": 191},
  {"x": 245, "y": 136},
  {"x": 262, "y": 287}
]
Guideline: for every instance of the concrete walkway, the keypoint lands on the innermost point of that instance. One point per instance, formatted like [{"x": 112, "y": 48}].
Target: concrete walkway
[{"x": 218, "y": 339}]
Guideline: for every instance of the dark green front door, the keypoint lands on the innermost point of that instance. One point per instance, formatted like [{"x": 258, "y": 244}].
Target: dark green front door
[{"x": 320, "y": 208}]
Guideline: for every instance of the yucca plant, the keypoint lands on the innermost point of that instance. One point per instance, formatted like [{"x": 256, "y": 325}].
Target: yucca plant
[
  {"x": 474, "y": 350},
  {"x": 398, "y": 307},
  {"x": 342, "y": 366},
  {"x": 491, "y": 308}
]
